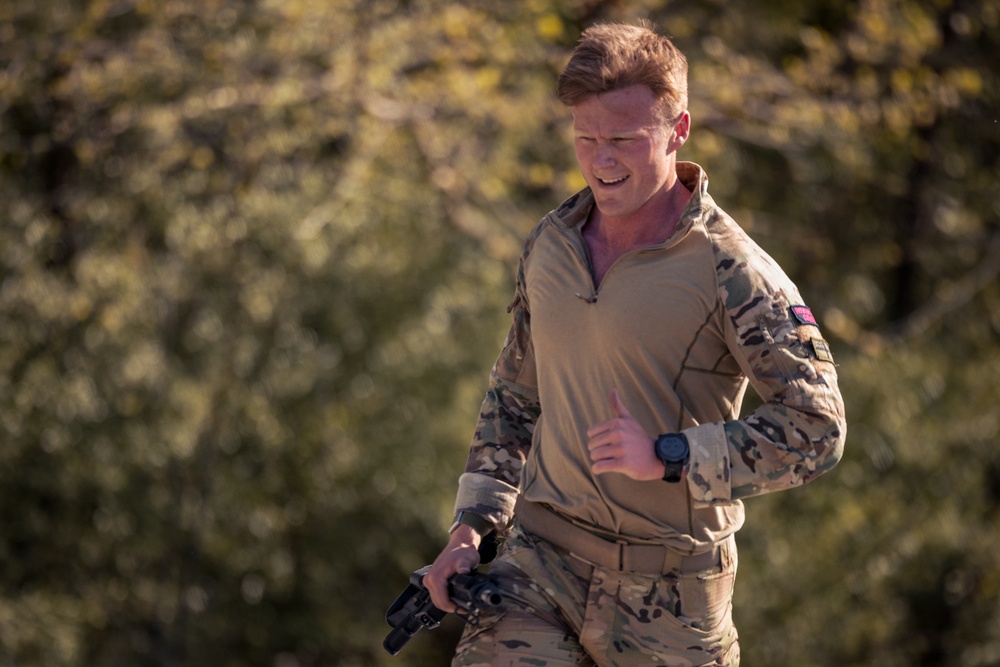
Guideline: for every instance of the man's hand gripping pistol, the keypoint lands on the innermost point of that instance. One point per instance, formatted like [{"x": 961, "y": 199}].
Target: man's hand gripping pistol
[{"x": 414, "y": 610}]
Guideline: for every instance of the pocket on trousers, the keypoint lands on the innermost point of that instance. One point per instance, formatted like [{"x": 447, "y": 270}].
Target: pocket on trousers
[{"x": 706, "y": 598}]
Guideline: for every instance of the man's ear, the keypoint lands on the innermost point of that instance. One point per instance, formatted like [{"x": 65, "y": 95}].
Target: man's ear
[{"x": 682, "y": 128}]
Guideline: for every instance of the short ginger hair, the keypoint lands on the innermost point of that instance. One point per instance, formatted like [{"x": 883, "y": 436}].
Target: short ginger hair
[{"x": 611, "y": 56}]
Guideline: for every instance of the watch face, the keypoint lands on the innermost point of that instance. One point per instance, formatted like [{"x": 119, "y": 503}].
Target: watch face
[{"x": 671, "y": 447}]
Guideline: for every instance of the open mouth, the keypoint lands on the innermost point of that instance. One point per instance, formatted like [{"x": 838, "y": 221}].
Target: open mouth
[{"x": 612, "y": 181}]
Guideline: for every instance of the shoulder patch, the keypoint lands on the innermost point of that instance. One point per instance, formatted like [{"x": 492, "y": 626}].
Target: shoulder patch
[
  {"x": 822, "y": 350},
  {"x": 803, "y": 315}
]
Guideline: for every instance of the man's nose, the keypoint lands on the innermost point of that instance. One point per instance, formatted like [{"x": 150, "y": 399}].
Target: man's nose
[{"x": 605, "y": 154}]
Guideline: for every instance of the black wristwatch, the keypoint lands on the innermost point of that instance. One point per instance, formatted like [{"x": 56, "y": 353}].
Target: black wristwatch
[{"x": 673, "y": 450}]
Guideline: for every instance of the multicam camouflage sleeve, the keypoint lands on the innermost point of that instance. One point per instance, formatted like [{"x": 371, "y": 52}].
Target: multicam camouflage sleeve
[
  {"x": 506, "y": 421},
  {"x": 798, "y": 432}
]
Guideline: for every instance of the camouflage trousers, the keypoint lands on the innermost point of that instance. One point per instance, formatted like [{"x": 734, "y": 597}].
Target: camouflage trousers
[{"x": 564, "y": 611}]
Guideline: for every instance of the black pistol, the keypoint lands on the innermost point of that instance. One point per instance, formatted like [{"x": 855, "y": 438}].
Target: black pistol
[{"x": 414, "y": 610}]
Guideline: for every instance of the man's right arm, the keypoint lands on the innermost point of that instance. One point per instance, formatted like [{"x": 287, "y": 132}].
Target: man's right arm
[
  {"x": 489, "y": 487},
  {"x": 508, "y": 415}
]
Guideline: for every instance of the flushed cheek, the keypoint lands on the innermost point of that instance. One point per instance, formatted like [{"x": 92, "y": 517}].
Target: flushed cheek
[{"x": 585, "y": 159}]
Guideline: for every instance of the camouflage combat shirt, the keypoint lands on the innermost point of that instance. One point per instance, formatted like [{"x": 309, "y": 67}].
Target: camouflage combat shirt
[{"x": 679, "y": 329}]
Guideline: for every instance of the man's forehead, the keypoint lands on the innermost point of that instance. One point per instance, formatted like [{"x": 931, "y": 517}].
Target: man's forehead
[
  {"x": 609, "y": 121},
  {"x": 634, "y": 106}
]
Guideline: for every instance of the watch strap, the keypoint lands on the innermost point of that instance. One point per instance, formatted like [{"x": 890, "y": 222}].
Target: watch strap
[
  {"x": 474, "y": 521},
  {"x": 673, "y": 472}
]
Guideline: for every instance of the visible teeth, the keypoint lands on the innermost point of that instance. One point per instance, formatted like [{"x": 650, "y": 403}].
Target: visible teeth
[{"x": 614, "y": 180}]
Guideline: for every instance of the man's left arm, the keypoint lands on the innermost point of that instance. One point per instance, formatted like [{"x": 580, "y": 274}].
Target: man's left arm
[{"x": 798, "y": 432}]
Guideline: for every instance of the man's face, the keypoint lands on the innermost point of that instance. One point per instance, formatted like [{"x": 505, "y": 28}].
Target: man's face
[{"x": 625, "y": 152}]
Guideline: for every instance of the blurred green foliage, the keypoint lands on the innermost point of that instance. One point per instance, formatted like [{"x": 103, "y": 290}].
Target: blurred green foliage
[{"x": 254, "y": 258}]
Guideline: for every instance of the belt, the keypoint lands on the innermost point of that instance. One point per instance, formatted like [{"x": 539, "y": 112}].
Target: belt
[{"x": 622, "y": 556}]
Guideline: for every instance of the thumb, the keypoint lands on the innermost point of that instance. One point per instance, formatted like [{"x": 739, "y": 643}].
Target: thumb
[{"x": 618, "y": 406}]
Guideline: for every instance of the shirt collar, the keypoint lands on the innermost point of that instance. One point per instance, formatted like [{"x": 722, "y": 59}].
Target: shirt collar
[{"x": 575, "y": 210}]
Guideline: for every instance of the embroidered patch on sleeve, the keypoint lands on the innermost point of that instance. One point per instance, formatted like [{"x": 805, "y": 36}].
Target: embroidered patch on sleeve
[
  {"x": 803, "y": 315},
  {"x": 822, "y": 350}
]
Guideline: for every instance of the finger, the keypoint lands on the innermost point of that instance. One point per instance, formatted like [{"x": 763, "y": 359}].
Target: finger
[
  {"x": 604, "y": 438},
  {"x": 601, "y": 453},
  {"x": 601, "y": 428},
  {"x": 439, "y": 593},
  {"x": 605, "y": 466},
  {"x": 618, "y": 406}
]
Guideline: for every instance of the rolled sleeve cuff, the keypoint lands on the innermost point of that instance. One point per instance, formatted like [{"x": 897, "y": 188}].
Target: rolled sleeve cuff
[
  {"x": 709, "y": 478},
  {"x": 487, "y": 497}
]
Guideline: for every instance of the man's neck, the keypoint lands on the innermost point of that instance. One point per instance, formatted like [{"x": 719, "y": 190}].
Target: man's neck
[
  {"x": 608, "y": 239},
  {"x": 651, "y": 225}
]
